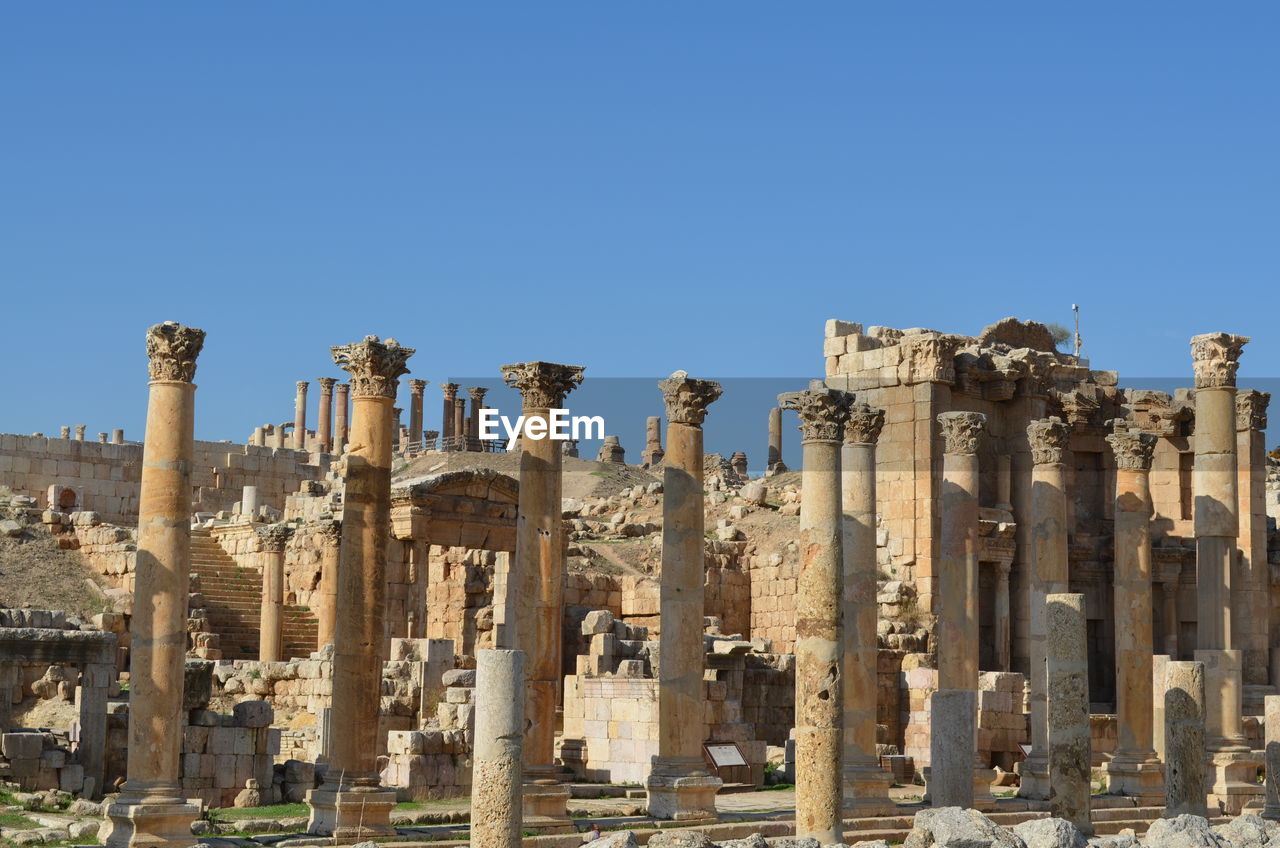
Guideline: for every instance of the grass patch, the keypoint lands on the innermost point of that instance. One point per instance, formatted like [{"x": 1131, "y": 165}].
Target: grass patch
[
  {"x": 17, "y": 821},
  {"x": 269, "y": 811}
]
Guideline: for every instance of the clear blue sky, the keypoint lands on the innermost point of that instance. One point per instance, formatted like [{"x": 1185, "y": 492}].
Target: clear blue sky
[{"x": 632, "y": 187}]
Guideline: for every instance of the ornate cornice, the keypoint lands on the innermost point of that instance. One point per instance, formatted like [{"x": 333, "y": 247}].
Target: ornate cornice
[
  {"x": 375, "y": 366},
  {"x": 1133, "y": 448},
  {"x": 864, "y": 425},
  {"x": 961, "y": 430},
  {"x": 823, "y": 412},
  {"x": 273, "y": 536},
  {"x": 1049, "y": 438},
  {"x": 542, "y": 385},
  {"x": 1217, "y": 358},
  {"x": 327, "y": 384},
  {"x": 1251, "y": 409},
  {"x": 417, "y": 386},
  {"x": 687, "y": 398},
  {"x": 172, "y": 349}
]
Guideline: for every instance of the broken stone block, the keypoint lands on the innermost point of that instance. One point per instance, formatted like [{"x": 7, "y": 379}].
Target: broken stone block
[{"x": 254, "y": 714}]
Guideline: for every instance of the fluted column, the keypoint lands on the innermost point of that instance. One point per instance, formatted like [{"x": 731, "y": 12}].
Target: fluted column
[
  {"x": 954, "y": 777},
  {"x": 1233, "y": 768},
  {"x": 351, "y": 802},
  {"x": 341, "y": 434},
  {"x": 1251, "y": 581},
  {"x": 679, "y": 785},
  {"x": 151, "y": 809},
  {"x": 537, "y": 578},
  {"x": 450, "y": 396},
  {"x": 272, "y": 539},
  {"x": 473, "y": 423},
  {"x": 324, "y": 429},
  {"x": 1048, "y": 438},
  {"x": 819, "y": 683},
  {"x": 866, "y": 785},
  {"x": 300, "y": 417},
  {"x": 1133, "y": 769},
  {"x": 416, "y": 388},
  {"x": 330, "y": 538}
]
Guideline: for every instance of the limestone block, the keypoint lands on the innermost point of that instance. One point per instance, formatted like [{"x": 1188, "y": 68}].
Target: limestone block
[
  {"x": 22, "y": 746},
  {"x": 253, "y": 714}
]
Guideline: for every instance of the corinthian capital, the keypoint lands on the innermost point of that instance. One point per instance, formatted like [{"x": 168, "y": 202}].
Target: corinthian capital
[
  {"x": 326, "y": 384},
  {"x": 1216, "y": 357},
  {"x": 542, "y": 385},
  {"x": 417, "y": 386},
  {"x": 330, "y": 533},
  {"x": 930, "y": 357},
  {"x": 302, "y": 386},
  {"x": 864, "y": 425},
  {"x": 960, "y": 431},
  {"x": 375, "y": 367},
  {"x": 477, "y": 394},
  {"x": 1251, "y": 409},
  {"x": 1049, "y": 438},
  {"x": 687, "y": 398},
  {"x": 172, "y": 349},
  {"x": 450, "y": 390},
  {"x": 273, "y": 536},
  {"x": 1132, "y": 447},
  {"x": 823, "y": 411}
]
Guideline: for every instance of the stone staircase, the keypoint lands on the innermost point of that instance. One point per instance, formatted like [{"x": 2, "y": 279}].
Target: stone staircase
[{"x": 233, "y": 603}]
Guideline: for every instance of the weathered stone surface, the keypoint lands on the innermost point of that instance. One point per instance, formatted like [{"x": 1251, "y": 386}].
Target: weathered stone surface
[
  {"x": 955, "y": 827},
  {"x": 620, "y": 839},
  {"x": 1050, "y": 833},
  {"x": 680, "y": 839},
  {"x": 464, "y": 677},
  {"x": 1248, "y": 831},
  {"x": 1184, "y": 831},
  {"x": 755, "y": 840},
  {"x": 254, "y": 714}
]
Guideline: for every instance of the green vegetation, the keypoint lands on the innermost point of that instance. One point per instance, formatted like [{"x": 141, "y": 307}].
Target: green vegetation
[{"x": 17, "y": 821}]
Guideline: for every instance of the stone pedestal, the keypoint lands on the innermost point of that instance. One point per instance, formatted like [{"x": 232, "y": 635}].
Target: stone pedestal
[
  {"x": 1069, "y": 738},
  {"x": 679, "y": 785},
  {"x": 1133, "y": 770},
  {"x": 536, "y": 580},
  {"x": 496, "y": 783},
  {"x": 151, "y": 809},
  {"x": 819, "y": 687},
  {"x": 1184, "y": 740},
  {"x": 1048, "y": 439},
  {"x": 351, "y": 796},
  {"x": 866, "y": 785}
]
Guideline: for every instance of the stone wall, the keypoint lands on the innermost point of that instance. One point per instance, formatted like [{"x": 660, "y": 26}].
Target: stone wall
[
  {"x": 222, "y": 751},
  {"x": 1002, "y": 717}
]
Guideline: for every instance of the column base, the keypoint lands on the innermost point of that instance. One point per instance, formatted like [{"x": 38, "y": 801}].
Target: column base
[
  {"x": 1033, "y": 777},
  {"x": 866, "y": 790},
  {"x": 1135, "y": 778},
  {"x": 983, "y": 800},
  {"x": 680, "y": 789},
  {"x": 151, "y": 825},
  {"x": 348, "y": 814},
  {"x": 1233, "y": 780},
  {"x": 546, "y": 807}
]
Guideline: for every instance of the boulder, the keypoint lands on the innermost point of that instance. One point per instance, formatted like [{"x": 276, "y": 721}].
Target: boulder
[
  {"x": 755, "y": 840},
  {"x": 806, "y": 842},
  {"x": 682, "y": 839},
  {"x": 619, "y": 839},
  {"x": 754, "y": 492},
  {"x": 1185, "y": 831},
  {"x": 11, "y": 528},
  {"x": 463, "y": 677},
  {"x": 1050, "y": 833},
  {"x": 955, "y": 827},
  {"x": 597, "y": 622},
  {"x": 1248, "y": 831}
]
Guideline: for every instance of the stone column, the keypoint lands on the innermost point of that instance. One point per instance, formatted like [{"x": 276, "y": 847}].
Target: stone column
[
  {"x": 652, "y": 453},
  {"x": 340, "y": 434},
  {"x": 249, "y": 501},
  {"x": 819, "y": 594},
  {"x": 954, "y": 779},
  {"x": 473, "y": 423},
  {"x": 460, "y": 422},
  {"x": 1048, "y": 438},
  {"x": 152, "y": 809},
  {"x": 1271, "y": 754},
  {"x": 496, "y": 804},
  {"x": 272, "y": 539},
  {"x": 1184, "y": 740},
  {"x": 1251, "y": 580},
  {"x": 537, "y": 578},
  {"x": 327, "y": 593},
  {"x": 1169, "y": 595},
  {"x": 1067, "y": 661},
  {"x": 351, "y": 804},
  {"x": 300, "y": 417},
  {"x": 324, "y": 430},
  {"x": 866, "y": 785},
  {"x": 1133, "y": 769},
  {"x": 450, "y": 391},
  {"x": 91, "y": 701},
  {"x": 117, "y": 437},
  {"x": 679, "y": 785},
  {"x": 416, "y": 388},
  {"x": 1000, "y": 616},
  {"x": 1232, "y": 765},
  {"x": 1159, "y": 669},
  {"x": 64, "y": 432},
  {"x": 775, "y": 462},
  {"x": 80, "y": 432}
]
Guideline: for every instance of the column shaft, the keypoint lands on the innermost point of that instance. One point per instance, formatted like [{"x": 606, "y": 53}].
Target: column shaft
[
  {"x": 341, "y": 435},
  {"x": 496, "y": 808},
  {"x": 324, "y": 429},
  {"x": 300, "y": 418},
  {"x": 1069, "y": 737},
  {"x": 1184, "y": 740}
]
